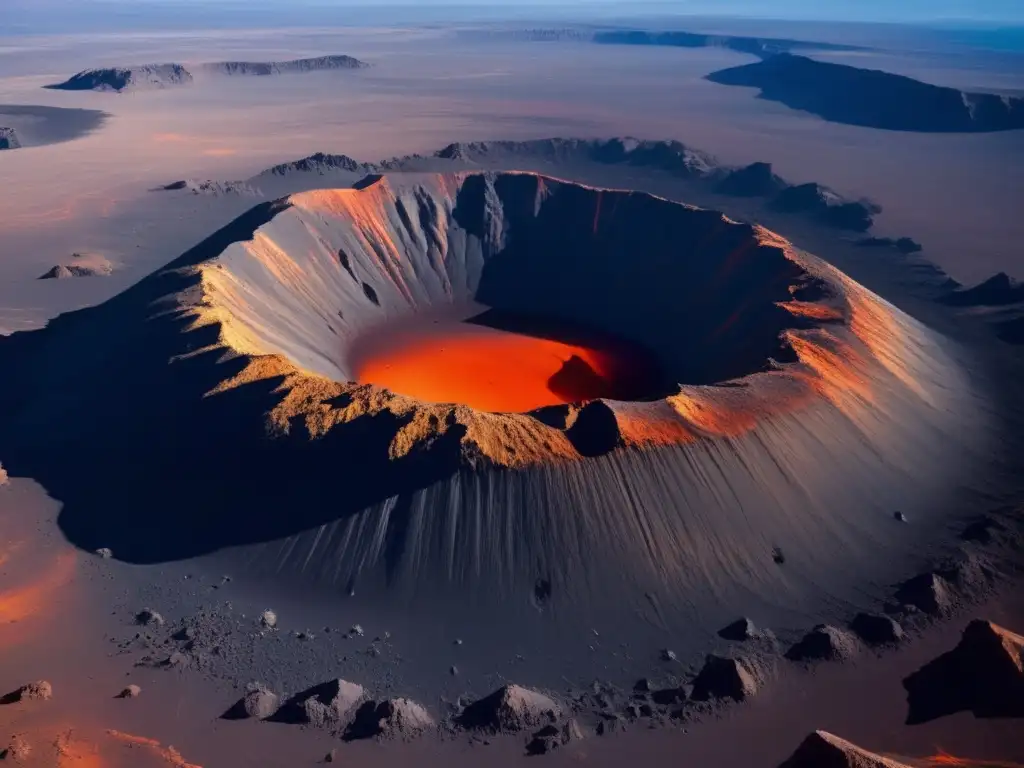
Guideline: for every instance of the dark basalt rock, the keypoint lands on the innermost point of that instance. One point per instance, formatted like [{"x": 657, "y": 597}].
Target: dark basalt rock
[
  {"x": 874, "y": 629},
  {"x": 724, "y": 678},
  {"x": 984, "y": 674}
]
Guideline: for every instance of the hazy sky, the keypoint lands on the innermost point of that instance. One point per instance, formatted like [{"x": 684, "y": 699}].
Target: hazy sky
[{"x": 28, "y": 16}]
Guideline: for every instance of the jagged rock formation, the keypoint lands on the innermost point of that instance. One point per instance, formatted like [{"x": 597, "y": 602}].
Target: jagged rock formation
[
  {"x": 825, "y": 206},
  {"x": 295, "y": 66},
  {"x": 998, "y": 290},
  {"x": 671, "y": 156},
  {"x": 984, "y": 674},
  {"x": 320, "y": 163},
  {"x": 213, "y": 188},
  {"x": 754, "y": 180},
  {"x": 166, "y": 75},
  {"x": 824, "y": 643},
  {"x": 126, "y": 78},
  {"x": 511, "y": 708},
  {"x": 9, "y": 139},
  {"x": 872, "y": 98},
  {"x": 823, "y": 750}
]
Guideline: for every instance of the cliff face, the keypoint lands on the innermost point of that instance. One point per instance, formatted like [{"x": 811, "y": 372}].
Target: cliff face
[
  {"x": 127, "y": 78},
  {"x": 168, "y": 75},
  {"x": 872, "y": 98},
  {"x": 9, "y": 139}
]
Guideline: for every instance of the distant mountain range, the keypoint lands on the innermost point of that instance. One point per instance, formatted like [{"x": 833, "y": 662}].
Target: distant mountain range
[{"x": 150, "y": 76}]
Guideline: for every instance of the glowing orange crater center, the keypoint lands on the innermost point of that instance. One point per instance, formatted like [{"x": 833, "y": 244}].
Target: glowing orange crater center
[{"x": 495, "y": 369}]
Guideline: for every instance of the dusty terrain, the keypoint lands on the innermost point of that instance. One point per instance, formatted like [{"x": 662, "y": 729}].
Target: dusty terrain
[{"x": 223, "y": 542}]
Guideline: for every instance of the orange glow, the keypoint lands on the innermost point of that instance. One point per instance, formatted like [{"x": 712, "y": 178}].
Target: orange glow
[
  {"x": 944, "y": 758},
  {"x": 168, "y": 754},
  {"x": 18, "y": 603},
  {"x": 220, "y": 152},
  {"x": 490, "y": 369}
]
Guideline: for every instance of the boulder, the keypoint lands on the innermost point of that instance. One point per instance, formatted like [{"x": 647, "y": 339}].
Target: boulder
[
  {"x": 511, "y": 708},
  {"x": 875, "y": 629},
  {"x": 724, "y": 678},
  {"x": 823, "y": 643}
]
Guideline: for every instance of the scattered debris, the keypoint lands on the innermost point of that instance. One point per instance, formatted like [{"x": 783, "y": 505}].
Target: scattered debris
[
  {"x": 105, "y": 553},
  {"x": 511, "y": 708},
  {"x": 131, "y": 692},
  {"x": 984, "y": 674},
  {"x": 550, "y": 737},
  {"x": 875, "y": 629},
  {"x": 356, "y": 631},
  {"x": 268, "y": 619},
  {"x": 822, "y": 749},
  {"x": 722, "y": 678},
  {"x": 18, "y": 751},
  {"x": 823, "y": 643}
]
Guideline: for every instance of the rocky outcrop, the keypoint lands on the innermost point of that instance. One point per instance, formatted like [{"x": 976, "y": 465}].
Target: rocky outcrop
[
  {"x": 872, "y": 98},
  {"x": 295, "y": 66},
  {"x": 510, "y": 708},
  {"x": 875, "y": 629},
  {"x": 758, "y": 46},
  {"x": 40, "y": 690},
  {"x": 330, "y": 705},
  {"x": 928, "y": 592},
  {"x": 119, "y": 79},
  {"x": 983, "y": 674},
  {"x": 724, "y": 678},
  {"x": 149, "y": 76},
  {"x": 824, "y": 643},
  {"x": 826, "y": 206},
  {"x": 999, "y": 290},
  {"x": 64, "y": 271},
  {"x": 320, "y": 163},
  {"x": 823, "y": 750},
  {"x": 739, "y": 631},
  {"x": 389, "y": 719},
  {"x": 213, "y": 188},
  {"x": 754, "y": 180},
  {"x": 551, "y": 737},
  {"x": 9, "y": 139}
]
